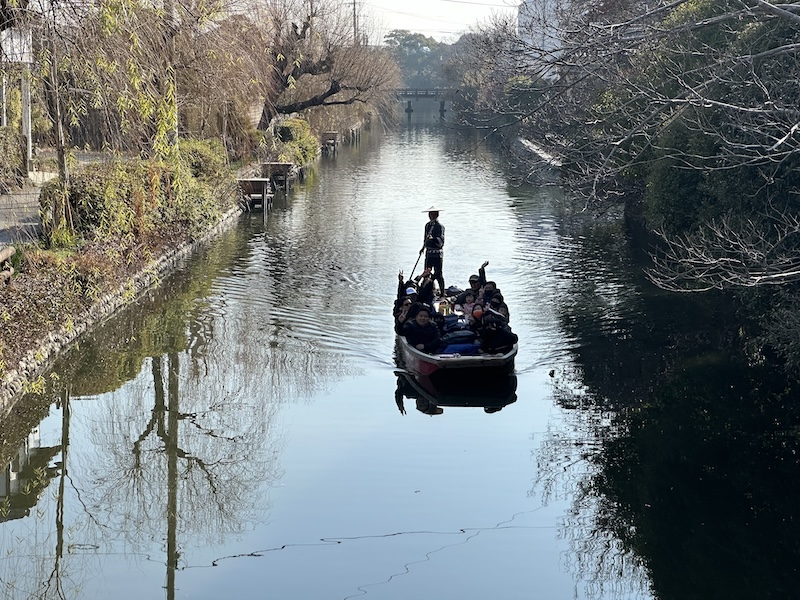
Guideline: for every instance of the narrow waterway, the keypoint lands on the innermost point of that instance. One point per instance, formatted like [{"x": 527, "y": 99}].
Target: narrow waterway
[{"x": 242, "y": 432}]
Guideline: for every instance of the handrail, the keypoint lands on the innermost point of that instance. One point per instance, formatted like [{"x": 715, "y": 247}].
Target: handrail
[{"x": 424, "y": 92}]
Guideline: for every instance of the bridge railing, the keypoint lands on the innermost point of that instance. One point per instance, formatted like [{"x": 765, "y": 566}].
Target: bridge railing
[{"x": 424, "y": 93}]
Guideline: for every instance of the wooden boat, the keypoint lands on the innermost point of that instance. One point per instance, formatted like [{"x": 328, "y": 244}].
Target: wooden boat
[{"x": 422, "y": 363}]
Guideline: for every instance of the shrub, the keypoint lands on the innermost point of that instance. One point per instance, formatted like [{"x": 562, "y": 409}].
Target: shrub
[
  {"x": 674, "y": 199},
  {"x": 299, "y": 145},
  {"x": 105, "y": 200},
  {"x": 204, "y": 158},
  {"x": 139, "y": 200}
]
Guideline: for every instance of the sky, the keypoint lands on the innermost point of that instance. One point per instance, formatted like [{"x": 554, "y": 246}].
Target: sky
[{"x": 443, "y": 20}]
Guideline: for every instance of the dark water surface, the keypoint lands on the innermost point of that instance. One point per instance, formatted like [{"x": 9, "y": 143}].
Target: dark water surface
[{"x": 242, "y": 433}]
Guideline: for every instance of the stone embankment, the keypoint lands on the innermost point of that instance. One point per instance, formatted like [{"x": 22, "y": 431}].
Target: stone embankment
[
  {"x": 39, "y": 358},
  {"x": 544, "y": 167}
]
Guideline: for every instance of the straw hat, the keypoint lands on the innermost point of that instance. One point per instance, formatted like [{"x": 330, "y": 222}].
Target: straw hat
[{"x": 432, "y": 209}]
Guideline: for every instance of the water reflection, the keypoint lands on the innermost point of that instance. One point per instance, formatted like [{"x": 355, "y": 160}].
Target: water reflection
[
  {"x": 432, "y": 394},
  {"x": 163, "y": 447},
  {"x": 682, "y": 456},
  {"x": 241, "y": 410},
  {"x": 715, "y": 464},
  {"x": 694, "y": 483},
  {"x": 25, "y": 477}
]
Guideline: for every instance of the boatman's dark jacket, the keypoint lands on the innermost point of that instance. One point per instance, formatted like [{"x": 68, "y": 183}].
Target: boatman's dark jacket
[
  {"x": 428, "y": 335},
  {"x": 435, "y": 244}
]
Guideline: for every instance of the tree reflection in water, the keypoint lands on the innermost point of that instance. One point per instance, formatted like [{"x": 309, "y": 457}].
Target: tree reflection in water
[
  {"x": 173, "y": 448},
  {"x": 683, "y": 464}
]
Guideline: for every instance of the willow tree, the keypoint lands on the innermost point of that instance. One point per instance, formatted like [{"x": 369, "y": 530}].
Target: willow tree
[
  {"x": 132, "y": 45},
  {"x": 52, "y": 28}
]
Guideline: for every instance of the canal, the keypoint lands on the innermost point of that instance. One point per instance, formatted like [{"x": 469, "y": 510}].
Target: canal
[{"x": 242, "y": 431}]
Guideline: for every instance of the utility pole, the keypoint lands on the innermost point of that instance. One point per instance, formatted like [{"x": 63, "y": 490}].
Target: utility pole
[
  {"x": 17, "y": 47},
  {"x": 355, "y": 25}
]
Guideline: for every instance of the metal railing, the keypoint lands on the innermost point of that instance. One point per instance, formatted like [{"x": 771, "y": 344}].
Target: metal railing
[{"x": 434, "y": 93}]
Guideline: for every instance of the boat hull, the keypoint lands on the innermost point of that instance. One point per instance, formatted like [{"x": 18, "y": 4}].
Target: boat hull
[{"x": 423, "y": 363}]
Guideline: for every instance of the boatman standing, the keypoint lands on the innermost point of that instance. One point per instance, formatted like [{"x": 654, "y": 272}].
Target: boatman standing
[{"x": 433, "y": 246}]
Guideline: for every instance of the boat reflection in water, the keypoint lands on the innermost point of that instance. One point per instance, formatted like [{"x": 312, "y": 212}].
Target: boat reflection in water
[{"x": 432, "y": 393}]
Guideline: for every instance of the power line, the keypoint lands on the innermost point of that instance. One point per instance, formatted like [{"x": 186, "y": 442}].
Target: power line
[
  {"x": 428, "y": 17},
  {"x": 504, "y": 5},
  {"x": 450, "y": 21},
  {"x": 421, "y": 17}
]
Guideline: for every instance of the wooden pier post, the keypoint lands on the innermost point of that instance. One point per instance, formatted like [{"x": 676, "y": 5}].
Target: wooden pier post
[{"x": 256, "y": 191}]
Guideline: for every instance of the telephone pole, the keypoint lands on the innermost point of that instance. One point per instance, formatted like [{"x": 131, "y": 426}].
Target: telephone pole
[{"x": 355, "y": 25}]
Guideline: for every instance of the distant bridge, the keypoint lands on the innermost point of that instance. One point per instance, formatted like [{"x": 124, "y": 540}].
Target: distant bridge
[
  {"x": 412, "y": 95},
  {"x": 422, "y": 94}
]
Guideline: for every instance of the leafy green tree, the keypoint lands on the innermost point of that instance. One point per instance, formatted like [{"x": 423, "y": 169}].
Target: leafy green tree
[{"x": 420, "y": 58}]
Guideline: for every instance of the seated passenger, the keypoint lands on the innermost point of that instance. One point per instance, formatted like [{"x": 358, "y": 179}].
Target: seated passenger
[
  {"x": 414, "y": 309},
  {"x": 495, "y": 335},
  {"x": 476, "y": 282},
  {"x": 489, "y": 290},
  {"x": 401, "y": 314},
  {"x": 402, "y": 287},
  {"x": 469, "y": 302},
  {"x": 423, "y": 297},
  {"x": 475, "y": 318},
  {"x": 497, "y": 303},
  {"x": 421, "y": 332},
  {"x": 402, "y": 296},
  {"x": 425, "y": 287}
]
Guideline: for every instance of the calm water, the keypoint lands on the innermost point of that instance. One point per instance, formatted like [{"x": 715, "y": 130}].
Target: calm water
[{"x": 242, "y": 432}]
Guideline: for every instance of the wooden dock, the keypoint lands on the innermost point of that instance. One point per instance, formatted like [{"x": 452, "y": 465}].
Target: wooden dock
[
  {"x": 280, "y": 174},
  {"x": 330, "y": 142},
  {"x": 257, "y": 192}
]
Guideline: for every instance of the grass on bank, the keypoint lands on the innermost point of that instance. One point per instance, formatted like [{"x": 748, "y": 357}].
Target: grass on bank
[{"x": 113, "y": 220}]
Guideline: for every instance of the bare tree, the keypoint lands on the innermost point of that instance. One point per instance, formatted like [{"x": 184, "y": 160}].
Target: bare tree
[
  {"x": 150, "y": 71},
  {"x": 688, "y": 105},
  {"x": 315, "y": 60},
  {"x": 12, "y": 12},
  {"x": 753, "y": 252}
]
